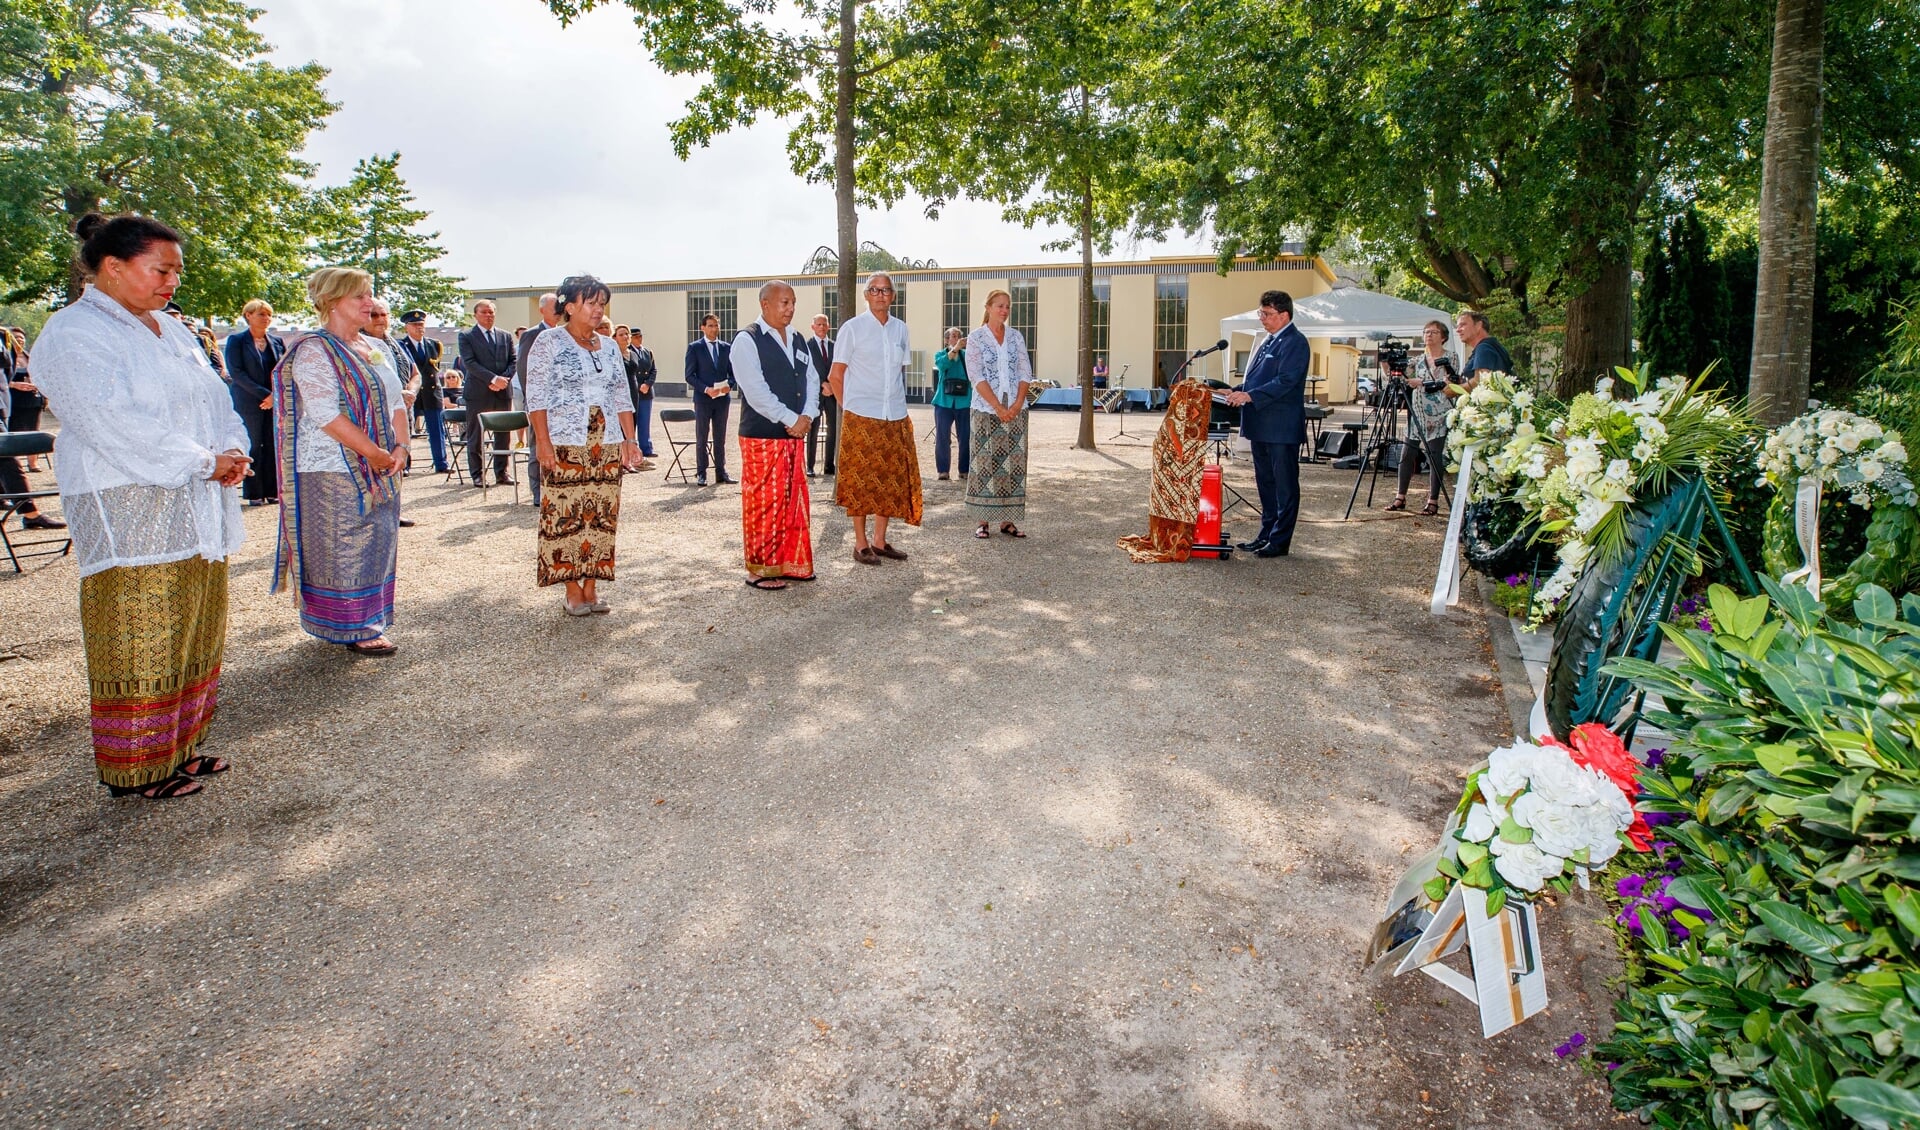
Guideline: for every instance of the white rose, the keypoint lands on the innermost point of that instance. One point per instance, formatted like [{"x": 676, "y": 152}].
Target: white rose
[
  {"x": 1849, "y": 441},
  {"x": 1589, "y": 514},
  {"x": 1829, "y": 456},
  {"x": 1508, "y": 769},
  {"x": 1870, "y": 469},
  {"x": 1525, "y": 865},
  {"x": 1558, "y": 829},
  {"x": 1480, "y": 825},
  {"x": 1893, "y": 452}
]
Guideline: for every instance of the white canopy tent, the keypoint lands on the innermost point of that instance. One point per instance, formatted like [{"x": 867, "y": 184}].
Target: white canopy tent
[
  {"x": 1345, "y": 312},
  {"x": 1348, "y": 311}
]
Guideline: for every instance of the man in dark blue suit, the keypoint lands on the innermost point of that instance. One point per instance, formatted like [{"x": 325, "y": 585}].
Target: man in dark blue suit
[
  {"x": 1273, "y": 418},
  {"x": 710, "y": 383}
]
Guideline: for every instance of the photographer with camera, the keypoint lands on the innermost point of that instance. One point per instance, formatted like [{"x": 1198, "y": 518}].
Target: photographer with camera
[{"x": 1429, "y": 400}]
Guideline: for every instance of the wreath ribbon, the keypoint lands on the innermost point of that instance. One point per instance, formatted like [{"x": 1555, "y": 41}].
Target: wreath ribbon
[
  {"x": 1446, "y": 583},
  {"x": 1806, "y": 528}
]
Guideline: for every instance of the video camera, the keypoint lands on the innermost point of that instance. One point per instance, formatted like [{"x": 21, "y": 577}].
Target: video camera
[{"x": 1394, "y": 358}]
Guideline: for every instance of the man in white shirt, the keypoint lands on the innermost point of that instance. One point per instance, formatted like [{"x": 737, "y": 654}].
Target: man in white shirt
[
  {"x": 879, "y": 468},
  {"x": 781, "y": 395}
]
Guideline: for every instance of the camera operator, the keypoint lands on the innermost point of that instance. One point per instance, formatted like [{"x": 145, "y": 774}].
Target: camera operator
[
  {"x": 1488, "y": 355},
  {"x": 1428, "y": 403}
]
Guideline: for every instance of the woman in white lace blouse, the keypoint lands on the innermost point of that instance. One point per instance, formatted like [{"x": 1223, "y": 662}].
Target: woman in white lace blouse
[
  {"x": 576, "y": 383},
  {"x": 998, "y": 366},
  {"x": 343, "y": 429},
  {"x": 148, "y": 455}
]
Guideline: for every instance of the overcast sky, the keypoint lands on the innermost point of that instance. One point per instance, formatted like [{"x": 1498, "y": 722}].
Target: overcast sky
[{"x": 543, "y": 151}]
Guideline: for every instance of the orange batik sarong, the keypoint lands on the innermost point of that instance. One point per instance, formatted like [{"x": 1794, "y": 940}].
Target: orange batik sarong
[
  {"x": 1179, "y": 457},
  {"x": 775, "y": 508}
]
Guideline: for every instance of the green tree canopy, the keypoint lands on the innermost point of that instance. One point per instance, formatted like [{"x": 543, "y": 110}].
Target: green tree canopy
[
  {"x": 165, "y": 107},
  {"x": 811, "y": 62},
  {"x": 1033, "y": 104},
  {"x": 370, "y": 223}
]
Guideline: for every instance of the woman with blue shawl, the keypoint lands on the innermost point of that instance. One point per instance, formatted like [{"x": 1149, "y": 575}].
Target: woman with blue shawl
[{"x": 342, "y": 430}]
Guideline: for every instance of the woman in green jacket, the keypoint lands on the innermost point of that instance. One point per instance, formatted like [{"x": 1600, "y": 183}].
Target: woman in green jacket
[{"x": 952, "y": 400}]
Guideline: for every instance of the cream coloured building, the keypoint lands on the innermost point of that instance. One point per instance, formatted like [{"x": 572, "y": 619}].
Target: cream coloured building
[{"x": 1148, "y": 316}]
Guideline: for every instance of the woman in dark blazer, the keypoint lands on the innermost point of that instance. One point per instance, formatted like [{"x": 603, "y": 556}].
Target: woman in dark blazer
[{"x": 252, "y": 355}]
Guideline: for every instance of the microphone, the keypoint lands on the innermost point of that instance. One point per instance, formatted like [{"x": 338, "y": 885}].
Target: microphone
[{"x": 1214, "y": 348}]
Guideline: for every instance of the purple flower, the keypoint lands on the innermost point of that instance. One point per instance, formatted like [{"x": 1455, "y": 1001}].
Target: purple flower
[
  {"x": 1574, "y": 1043},
  {"x": 1657, "y": 819},
  {"x": 1630, "y": 918},
  {"x": 1705, "y": 624},
  {"x": 1613, "y": 1066},
  {"x": 1656, "y": 757},
  {"x": 1514, "y": 581},
  {"x": 1631, "y": 887},
  {"x": 1679, "y": 932},
  {"x": 1676, "y": 865}
]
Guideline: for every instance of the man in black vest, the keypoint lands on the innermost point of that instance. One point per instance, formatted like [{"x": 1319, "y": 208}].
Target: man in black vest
[
  {"x": 820, "y": 356},
  {"x": 781, "y": 394},
  {"x": 424, "y": 352},
  {"x": 486, "y": 354}
]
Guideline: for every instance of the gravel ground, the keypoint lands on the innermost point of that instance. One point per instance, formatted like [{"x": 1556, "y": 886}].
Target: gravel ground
[{"x": 1013, "y": 834}]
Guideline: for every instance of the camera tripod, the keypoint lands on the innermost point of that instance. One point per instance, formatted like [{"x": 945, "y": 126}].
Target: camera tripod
[{"x": 1383, "y": 434}]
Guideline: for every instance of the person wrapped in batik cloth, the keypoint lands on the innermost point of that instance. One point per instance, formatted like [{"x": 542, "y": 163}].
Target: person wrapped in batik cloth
[
  {"x": 581, "y": 414},
  {"x": 782, "y": 397},
  {"x": 1179, "y": 458},
  {"x": 879, "y": 470},
  {"x": 1000, "y": 371},
  {"x": 150, "y": 457},
  {"x": 342, "y": 424}
]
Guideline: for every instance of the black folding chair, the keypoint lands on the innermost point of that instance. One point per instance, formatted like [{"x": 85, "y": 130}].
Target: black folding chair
[
  {"x": 498, "y": 423},
  {"x": 679, "y": 446},
  {"x": 456, "y": 448},
  {"x": 15, "y": 445}
]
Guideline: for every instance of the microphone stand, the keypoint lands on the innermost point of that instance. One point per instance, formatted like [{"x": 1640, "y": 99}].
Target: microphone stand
[{"x": 1121, "y": 404}]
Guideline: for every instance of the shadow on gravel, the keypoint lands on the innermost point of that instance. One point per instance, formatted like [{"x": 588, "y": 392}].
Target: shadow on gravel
[{"x": 1013, "y": 829}]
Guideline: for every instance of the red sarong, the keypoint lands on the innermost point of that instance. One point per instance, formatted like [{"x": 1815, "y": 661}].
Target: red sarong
[{"x": 775, "y": 508}]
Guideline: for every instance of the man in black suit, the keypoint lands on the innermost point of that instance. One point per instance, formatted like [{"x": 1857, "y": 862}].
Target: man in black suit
[
  {"x": 1273, "y": 418},
  {"x": 487, "y": 356},
  {"x": 549, "y": 318},
  {"x": 710, "y": 383},
  {"x": 820, "y": 355}
]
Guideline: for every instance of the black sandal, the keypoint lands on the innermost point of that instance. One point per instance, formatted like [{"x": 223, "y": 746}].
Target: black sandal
[
  {"x": 1011, "y": 530},
  {"x": 791, "y": 577},
  {"x": 204, "y": 766},
  {"x": 1398, "y": 503},
  {"x": 1430, "y": 509},
  {"x": 178, "y": 785},
  {"x": 770, "y": 584}
]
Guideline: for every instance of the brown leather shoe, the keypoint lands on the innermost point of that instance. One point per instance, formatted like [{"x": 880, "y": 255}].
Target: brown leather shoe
[
  {"x": 889, "y": 551},
  {"x": 866, "y": 556}
]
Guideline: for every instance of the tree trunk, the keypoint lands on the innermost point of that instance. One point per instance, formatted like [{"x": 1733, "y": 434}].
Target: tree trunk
[
  {"x": 1789, "y": 193},
  {"x": 1085, "y": 351},
  {"x": 1599, "y": 325},
  {"x": 78, "y": 201},
  {"x": 1603, "y": 91},
  {"x": 843, "y": 189}
]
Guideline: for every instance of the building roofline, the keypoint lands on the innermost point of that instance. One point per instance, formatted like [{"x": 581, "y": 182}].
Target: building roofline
[{"x": 1292, "y": 257}]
